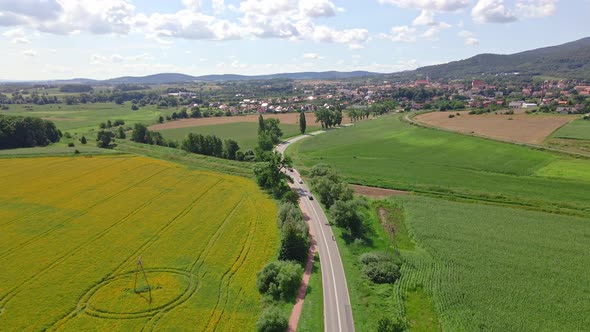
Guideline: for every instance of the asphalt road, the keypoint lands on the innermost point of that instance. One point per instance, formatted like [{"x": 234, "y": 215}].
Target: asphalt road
[{"x": 337, "y": 310}]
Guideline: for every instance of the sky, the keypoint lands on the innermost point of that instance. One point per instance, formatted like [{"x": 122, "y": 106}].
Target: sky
[{"x": 100, "y": 39}]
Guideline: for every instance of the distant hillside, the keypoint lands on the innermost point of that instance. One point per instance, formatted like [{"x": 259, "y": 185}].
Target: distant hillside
[
  {"x": 181, "y": 78},
  {"x": 571, "y": 60}
]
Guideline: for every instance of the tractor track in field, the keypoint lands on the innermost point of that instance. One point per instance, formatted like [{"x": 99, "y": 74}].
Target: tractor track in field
[
  {"x": 152, "y": 324},
  {"x": 50, "y": 230},
  {"x": 55, "y": 200},
  {"x": 6, "y": 298},
  {"x": 144, "y": 246},
  {"x": 244, "y": 251}
]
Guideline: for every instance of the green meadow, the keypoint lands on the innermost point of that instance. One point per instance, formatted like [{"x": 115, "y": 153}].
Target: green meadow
[
  {"x": 245, "y": 133},
  {"x": 578, "y": 129},
  {"x": 83, "y": 118},
  {"x": 387, "y": 152}
]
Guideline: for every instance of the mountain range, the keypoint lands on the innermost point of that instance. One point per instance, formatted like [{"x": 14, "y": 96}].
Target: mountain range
[{"x": 569, "y": 61}]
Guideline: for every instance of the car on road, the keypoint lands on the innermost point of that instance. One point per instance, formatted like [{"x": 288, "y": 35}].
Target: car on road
[
  {"x": 290, "y": 170},
  {"x": 310, "y": 198},
  {"x": 300, "y": 181}
]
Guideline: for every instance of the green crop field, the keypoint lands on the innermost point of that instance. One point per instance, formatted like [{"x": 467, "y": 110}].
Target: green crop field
[
  {"x": 387, "y": 152},
  {"x": 86, "y": 117},
  {"x": 477, "y": 267},
  {"x": 72, "y": 230},
  {"x": 578, "y": 129},
  {"x": 245, "y": 133}
]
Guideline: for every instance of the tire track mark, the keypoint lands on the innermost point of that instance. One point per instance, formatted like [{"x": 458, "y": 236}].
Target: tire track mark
[
  {"x": 152, "y": 324},
  {"x": 41, "y": 235},
  {"x": 6, "y": 298},
  {"x": 144, "y": 246}
]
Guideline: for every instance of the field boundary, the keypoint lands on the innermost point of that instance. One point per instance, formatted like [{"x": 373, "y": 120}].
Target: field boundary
[{"x": 409, "y": 118}]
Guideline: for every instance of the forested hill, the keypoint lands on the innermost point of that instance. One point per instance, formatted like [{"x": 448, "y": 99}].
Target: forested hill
[{"x": 570, "y": 60}]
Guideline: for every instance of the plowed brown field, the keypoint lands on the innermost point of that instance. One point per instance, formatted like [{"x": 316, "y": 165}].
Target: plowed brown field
[{"x": 521, "y": 128}]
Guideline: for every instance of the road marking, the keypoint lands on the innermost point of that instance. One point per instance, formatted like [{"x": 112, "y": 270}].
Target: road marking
[
  {"x": 281, "y": 149},
  {"x": 330, "y": 260}
]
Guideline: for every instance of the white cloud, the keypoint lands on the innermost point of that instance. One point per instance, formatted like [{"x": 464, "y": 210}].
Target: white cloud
[
  {"x": 426, "y": 18},
  {"x": 98, "y": 59},
  {"x": 190, "y": 25},
  {"x": 41, "y": 10},
  {"x": 536, "y": 8},
  {"x": 492, "y": 11},
  {"x": 17, "y": 36},
  {"x": 469, "y": 38},
  {"x": 330, "y": 35},
  {"x": 30, "y": 53},
  {"x": 437, "y": 5},
  {"x": 433, "y": 31},
  {"x": 402, "y": 33},
  {"x": 317, "y": 8},
  {"x": 218, "y": 6},
  {"x": 14, "y": 33},
  {"x": 194, "y": 5},
  {"x": 313, "y": 56}
]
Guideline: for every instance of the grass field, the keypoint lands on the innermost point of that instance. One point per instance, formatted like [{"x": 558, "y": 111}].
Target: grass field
[
  {"x": 387, "y": 152},
  {"x": 578, "y": 129},
  {"x": 477, "y": 267},
  {"x": 83, "y": 118},
  {"x": 245, "y": 133},
  {"x": 72, "y": 230}
]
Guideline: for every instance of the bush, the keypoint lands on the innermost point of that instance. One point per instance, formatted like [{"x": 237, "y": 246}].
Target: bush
[
  {"x": 380, "y": 267},
  {"x": 386, "y": 324},
  {"x": 71, "y": 145},
  {"x": 279, "y": 280},
  {"x": 451, "y": 116},
  {"x": 272, "y": 320},
  {"x": 134, "y": 107},
  {"x": 76, "y": 151}
]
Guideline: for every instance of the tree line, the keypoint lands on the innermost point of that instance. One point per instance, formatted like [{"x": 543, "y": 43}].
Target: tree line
[{"x": 21, "y": 132}]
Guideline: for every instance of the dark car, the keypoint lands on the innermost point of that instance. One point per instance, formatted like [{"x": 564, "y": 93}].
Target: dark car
[{"x": 311, "y": 198}]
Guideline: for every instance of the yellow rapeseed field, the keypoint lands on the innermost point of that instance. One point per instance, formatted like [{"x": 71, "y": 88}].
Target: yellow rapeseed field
[{"x": 72, "y": 231}]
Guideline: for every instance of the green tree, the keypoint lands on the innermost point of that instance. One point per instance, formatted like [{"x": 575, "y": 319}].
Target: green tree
[
  {"x": 104, "y": 138},
  {"x": 230, "y": 149},
  {"x": 302, "y": 122},
  {"x": 347, "y": 214},
  {"x": 279, "y": 280},
  {"x": 161, "y": 119},
  {"x": 294, "y": 242},
  {"x": 261, "y": 127},
  {"x": 121, "y": 133},
  {"x": 83, "y": 140},
  {"x": 140, "y": 133},
  {"x": 272, "y": 319}
]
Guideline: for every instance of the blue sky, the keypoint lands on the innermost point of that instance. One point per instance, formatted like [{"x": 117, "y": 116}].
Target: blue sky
[{"x": 50, "y": 39}]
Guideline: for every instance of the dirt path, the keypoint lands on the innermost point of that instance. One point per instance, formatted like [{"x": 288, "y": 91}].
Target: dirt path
[
  {"x": 298, "y": 307},
  {"x": 375, "y": 192}
]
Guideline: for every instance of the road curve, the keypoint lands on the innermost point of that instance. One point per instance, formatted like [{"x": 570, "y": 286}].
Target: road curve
[{"x": 337, "y": 310}]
